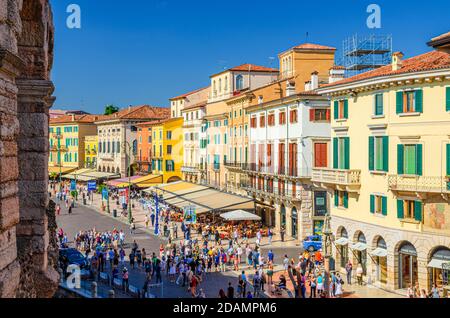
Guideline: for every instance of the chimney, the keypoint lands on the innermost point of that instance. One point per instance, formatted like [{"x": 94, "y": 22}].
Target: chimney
[
  {"x": 73, "y": 117},
  {"x": 290, "y": 88},
  {"x": 337, "y": 73},
  {"x": 314, "y": 80},
  {"x": 307, "y": 86},
  {"x": 397, "y": 61}
]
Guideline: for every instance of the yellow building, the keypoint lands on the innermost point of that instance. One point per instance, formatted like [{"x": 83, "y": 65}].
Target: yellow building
[
  {"x": 389, "y": 174},
  {"x": 67, "y": 141},
  {"x": 167, "y": 149},
  {"x": 90, "y": 151}
]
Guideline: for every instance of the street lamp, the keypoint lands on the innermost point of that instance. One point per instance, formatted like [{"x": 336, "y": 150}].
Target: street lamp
[
  {"x": 125, "y": 146},
  {"x": 328, "y": 254}
]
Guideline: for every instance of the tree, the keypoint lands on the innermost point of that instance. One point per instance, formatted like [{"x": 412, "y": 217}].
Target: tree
[{"x": 111, "y": 109}]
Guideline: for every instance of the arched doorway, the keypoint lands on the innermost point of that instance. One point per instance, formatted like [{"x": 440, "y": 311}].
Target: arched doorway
[
  {"x": 380, "y": 258},
  {"x": 407, "y": 265},
  {"x": 294, "y": 223},
  {"x": 283, "y": 216},
  {"x": 360, "y": 250},
  {"x": 436, "y": 274},
  {"x": 173, "y": 179},
  {"x": 342, "y": 246}
]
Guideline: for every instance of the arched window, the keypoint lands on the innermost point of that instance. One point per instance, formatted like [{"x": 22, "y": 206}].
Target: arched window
[
  {"x": 220, "y": 85},
  {"x": 239, "y": 82},
  {"x": 214, "y": 89},
  {"x": 226, "y": 84}
]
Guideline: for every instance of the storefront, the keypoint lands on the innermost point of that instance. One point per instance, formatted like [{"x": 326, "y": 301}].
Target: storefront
[
  {"x": 294, "y": 223},
  {"x": 407, "y": 265},
  {"x": 360, "y": 251},
  {"x": 283, "y": 216},
  {"x": 342, "y": 247},
  {"x": 379, "y": 255},
  {"x": 439, "y": 267}
]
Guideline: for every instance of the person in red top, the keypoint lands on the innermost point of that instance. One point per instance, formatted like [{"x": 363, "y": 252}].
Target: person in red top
[
  {"x": 318, "y": 256},
  {"x": 194, "y": 283}
]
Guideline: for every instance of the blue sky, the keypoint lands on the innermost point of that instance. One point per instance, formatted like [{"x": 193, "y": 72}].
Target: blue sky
[{"x": 146, "y": 51}]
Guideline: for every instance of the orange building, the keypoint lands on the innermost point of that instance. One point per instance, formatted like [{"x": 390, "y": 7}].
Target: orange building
[{"x": 144, "y": 146}]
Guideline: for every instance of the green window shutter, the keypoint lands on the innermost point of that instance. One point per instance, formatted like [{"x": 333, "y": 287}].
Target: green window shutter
[
  {"x": 384, "y": 205},
  {"x": 418, "y": 211},
  {"x": 386, "y": 153},
  {"x": 347, "y": 153},
  {"x": 447, "y": 99},
  {"x": 335, "y": 153},
  {"x": 419, "y": 159},
  {"x": 336, "y": 109},
  {"x": 400, "y": 213},
  {"x": 399, "y": 102},
  {"x": 400, "y": 159},
  {"x": 346, "y": 108},
  {"x": 372, "y": 203},
  {"x": 371, "y": 153},
  {"x": 419, "y": 101},
  {"x": 336, "y": 198},
  {"x": 448, "y": 159},
  {"x": 346, "y": 199}
]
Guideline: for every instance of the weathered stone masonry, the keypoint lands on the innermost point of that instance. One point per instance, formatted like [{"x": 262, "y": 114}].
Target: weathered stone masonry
[{"x": 27, "y": 247}]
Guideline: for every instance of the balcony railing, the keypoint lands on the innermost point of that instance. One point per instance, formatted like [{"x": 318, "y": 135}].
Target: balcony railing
[
  {"x": 340, "y": 177},
  {"x": 142, "y": 160},
  {"x": 275, "y": 192},
  {"x": 192, "y": 168},
  {"x": 419, "y": 184}
]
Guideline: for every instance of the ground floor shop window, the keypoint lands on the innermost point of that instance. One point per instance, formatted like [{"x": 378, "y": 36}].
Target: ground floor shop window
[
  {"x": 408, "y": 266},
  {"x": 294, "y": 223},
  {"x": 283, "y": 215},
  {"x": 439, "y": 267}
]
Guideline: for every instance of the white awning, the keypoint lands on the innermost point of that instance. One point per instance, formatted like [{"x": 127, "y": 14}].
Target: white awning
[
  {"x": 380, "y": 252},
  {"x": 341, "y": 241},
  {"x": 240, "y": 215},
  {"x": 437, "y": 263},
  {"x": 359, "y": 246}
]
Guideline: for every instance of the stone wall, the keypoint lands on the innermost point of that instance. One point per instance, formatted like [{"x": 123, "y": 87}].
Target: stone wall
[{"x": 28, "y": 254}]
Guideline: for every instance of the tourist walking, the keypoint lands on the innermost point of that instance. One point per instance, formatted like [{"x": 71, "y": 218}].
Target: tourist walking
[{"x": 348, "y": 270}]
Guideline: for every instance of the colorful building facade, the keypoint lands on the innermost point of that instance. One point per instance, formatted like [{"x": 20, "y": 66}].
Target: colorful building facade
[
  {"x": 144, "y": 147},
  {"x": 90, "y": 151},
  {"x": 167, "y": 152},
  {"x": 388, "y": 177},
  {"x": 67, "y": 141}
]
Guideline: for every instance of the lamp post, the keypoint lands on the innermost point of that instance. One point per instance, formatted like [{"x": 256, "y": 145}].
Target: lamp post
[
  {"x": 328, "y": 253},
  {"x": 129, "y": 147}
]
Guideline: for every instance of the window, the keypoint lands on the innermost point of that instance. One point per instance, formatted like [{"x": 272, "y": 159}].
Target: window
[
  {"x": 409, "y": 159},
  {"x": 319, "y": 115},
  {"x": 169, "y": 149},
  {"x": 293, "y": 116},
  {"x": 253, "y": 122},
  {"x": 378, "y": 153},
  {"x": 239, "y": 82},
  {"x": 447, "y": 99},
  {"x": 168, "y": 135},
  {"x": 341, "y": 153},
  {"x": 378, "y": 204},
  {"x": 282, "y": 118},
  {"x": 271, "y": 120},
  {"x": 341, "y": 199},
  {"x": 408, "y": 209},
  {"x": 378, "y": 111},
  {"x": 341, "y": 109},
  {"x": 320, "y": 203},
  {"x": 262, "y": 121},
  {"x": 409, "y": 102},
  {"x": 170, "y": 165}
]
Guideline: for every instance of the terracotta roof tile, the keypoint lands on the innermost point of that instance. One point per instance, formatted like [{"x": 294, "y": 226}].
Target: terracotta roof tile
[
  {"x": 143, "y": 112},
  {"x": 66, "y": 119},
  {"x": 312, "y": 46},
  {"x": 425, "y": 62},
  {"x": 249, "y": 67},
  {"x": 201, "y": 104}
]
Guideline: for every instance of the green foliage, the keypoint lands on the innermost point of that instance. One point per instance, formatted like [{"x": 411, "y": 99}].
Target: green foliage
[{"x": 111, "y": 109}]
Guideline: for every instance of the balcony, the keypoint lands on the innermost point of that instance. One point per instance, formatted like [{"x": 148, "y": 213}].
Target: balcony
[
  {"x": 143, "y": 160},
  {"x": 337, "y": 179},
  {"x": 192, "y": 168},
  {"x": 420, "y": 185},
  {"x": 274, "y": 193},
  {"x": 236, "y": 166}
]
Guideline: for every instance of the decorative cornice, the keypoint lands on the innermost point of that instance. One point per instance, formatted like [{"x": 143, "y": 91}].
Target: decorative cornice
[
  {"x": 31, "y": 91},
  {"x": 11, "y": 63}
]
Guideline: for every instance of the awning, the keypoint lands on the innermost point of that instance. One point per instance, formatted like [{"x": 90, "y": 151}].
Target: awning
[
  {"x": 95, "y": 175},
  {"x": 380, "y": 252},
  {"x": 437, "y": 263},
  {"x": 341, "y": 241},
  {"x": 141, "y": 181},
  {"x": 204, "y": 199},
  {"x": 123, "y": 182},
  {"x": 63, "y": 170},
  {"x": 240, "y": 215},
  {"x": 77, "y": 174},
  {"x": 359, "y": 246}
]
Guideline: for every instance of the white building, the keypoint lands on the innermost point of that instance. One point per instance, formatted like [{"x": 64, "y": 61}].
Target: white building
[{"x": 117, "y": 136}]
